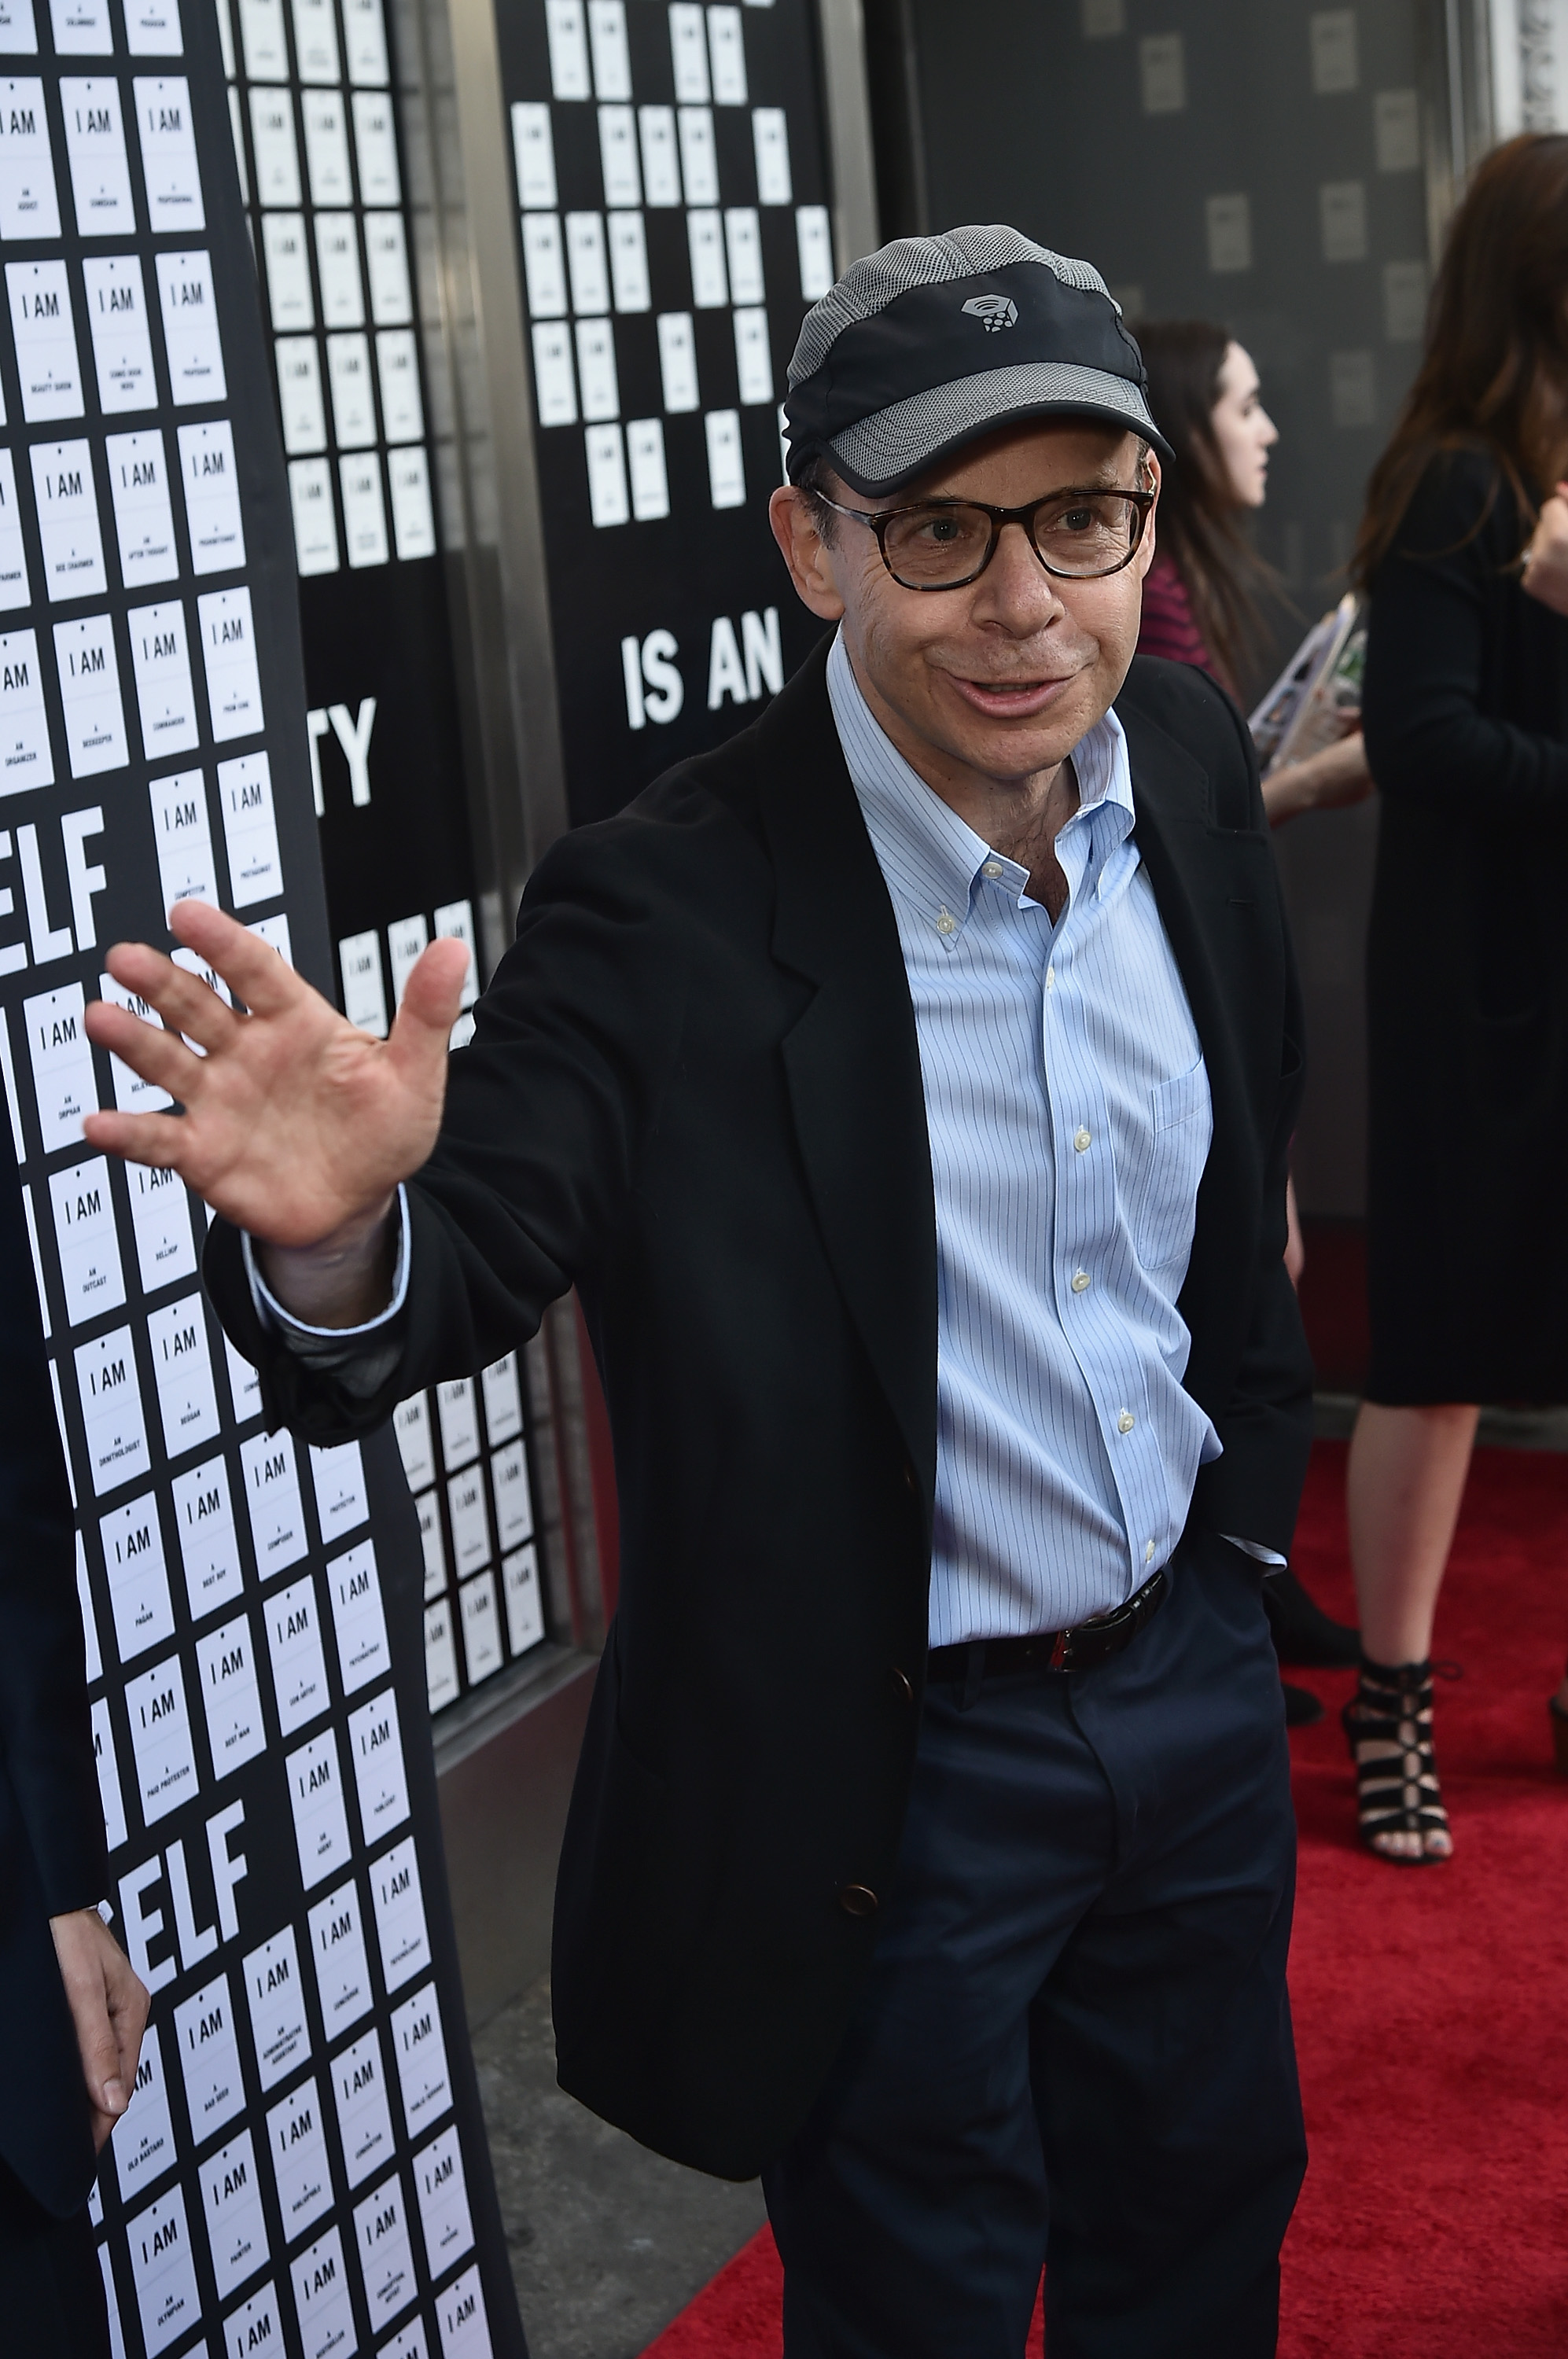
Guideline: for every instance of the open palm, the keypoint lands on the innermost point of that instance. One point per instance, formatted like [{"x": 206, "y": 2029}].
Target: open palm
[{"x": 296, "y": 1125}]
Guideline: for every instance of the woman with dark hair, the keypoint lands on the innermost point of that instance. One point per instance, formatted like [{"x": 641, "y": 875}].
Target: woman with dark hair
[
  {"x": 1203, "y": 603},
  {"x": 1465, "y": 712},
  {"x": 1205, "y": 593}
]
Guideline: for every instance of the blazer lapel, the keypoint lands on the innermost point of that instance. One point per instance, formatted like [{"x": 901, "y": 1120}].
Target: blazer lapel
[
  {"x": 851, "y": 1059},
  {"x": 1204, "y": 878}
]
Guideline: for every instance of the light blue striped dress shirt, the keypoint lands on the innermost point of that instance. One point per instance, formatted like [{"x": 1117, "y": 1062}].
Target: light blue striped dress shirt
[{"x": 1070, "y": 1122}]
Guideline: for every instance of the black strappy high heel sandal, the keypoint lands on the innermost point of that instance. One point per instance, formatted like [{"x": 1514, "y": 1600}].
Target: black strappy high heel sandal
[{"x": 1388, "y": 1723}]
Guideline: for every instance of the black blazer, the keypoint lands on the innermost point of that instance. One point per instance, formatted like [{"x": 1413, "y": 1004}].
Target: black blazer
[
  {"x": 1466, "y": 723},
  {"x": 694, "y": 1092},
  {"x": 52, "y": 1854}
]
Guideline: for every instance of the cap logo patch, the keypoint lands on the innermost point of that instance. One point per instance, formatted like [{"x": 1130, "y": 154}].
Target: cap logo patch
[{"x": 993, "y": 313}]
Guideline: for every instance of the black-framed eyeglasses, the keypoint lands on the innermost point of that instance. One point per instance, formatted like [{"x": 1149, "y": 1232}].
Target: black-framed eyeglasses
[{"x": 1077, "y": 535}]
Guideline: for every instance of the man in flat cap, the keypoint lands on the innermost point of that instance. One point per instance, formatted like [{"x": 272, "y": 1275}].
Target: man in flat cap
[{"x": 904, "y": 1087}]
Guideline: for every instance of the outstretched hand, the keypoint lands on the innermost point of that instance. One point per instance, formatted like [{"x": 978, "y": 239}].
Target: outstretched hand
[{"x": 297, "y": 1126}]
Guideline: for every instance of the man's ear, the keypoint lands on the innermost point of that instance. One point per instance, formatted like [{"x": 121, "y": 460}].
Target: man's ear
[
  {"x": 1150, "y": 474},
  {"x": 805, "y": 552}
]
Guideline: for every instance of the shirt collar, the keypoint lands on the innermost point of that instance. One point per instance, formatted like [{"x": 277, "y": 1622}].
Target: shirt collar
[{"x": 925, "y": 851}]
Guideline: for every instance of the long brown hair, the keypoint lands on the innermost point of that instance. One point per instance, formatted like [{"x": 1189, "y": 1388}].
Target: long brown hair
[
  {"x": 1495, "y": 372},
  {"x": 1200, "y": 518}
]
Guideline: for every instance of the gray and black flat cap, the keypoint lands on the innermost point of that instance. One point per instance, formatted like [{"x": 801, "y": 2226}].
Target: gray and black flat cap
[{"x": 932, "y": 341}]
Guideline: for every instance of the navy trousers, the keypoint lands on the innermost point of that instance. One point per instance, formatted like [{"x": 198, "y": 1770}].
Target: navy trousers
[{"x": 1073, "y": 2048}]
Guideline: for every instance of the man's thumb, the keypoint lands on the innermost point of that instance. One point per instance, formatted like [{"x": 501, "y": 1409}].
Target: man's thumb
[{"x": 432, "y": 996}]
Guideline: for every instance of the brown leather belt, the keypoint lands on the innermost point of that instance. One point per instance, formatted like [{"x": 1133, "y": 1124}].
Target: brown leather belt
[{"x": 1077, "y": 1649}]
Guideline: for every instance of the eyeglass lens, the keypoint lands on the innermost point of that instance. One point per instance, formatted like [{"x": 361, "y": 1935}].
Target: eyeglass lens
[{"x": 1082, "y": 534}]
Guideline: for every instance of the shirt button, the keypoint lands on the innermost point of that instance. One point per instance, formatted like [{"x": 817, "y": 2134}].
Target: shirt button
[
  {"x": 1050, "y": 978},
  {"x": 1080, "y": 1141},
  {"x": 1125, "y": 1422},
  {"x": 992, "y": 868},
  {"x": 1080, "y": 1281},
  {"x": 946, "y": 923},
  {"x": 1149, "y": 1553}
]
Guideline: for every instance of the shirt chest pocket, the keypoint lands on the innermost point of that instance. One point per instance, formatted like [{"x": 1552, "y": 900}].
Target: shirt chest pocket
[{"x": 1181, "y": 1127}]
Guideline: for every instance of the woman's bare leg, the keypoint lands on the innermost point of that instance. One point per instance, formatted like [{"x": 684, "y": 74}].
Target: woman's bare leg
[{"x": 1405, "y": 1484}]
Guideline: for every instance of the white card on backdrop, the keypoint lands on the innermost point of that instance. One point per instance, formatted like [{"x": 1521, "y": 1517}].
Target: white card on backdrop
[
  {"x": 190, "y": 334},
  {"x": 162, "y": 2259},
  {"x": 225, "y": 1665},
  {"x": 419, "y": 2046},
  {"x": 86, "y": 1240},
  {"x": 144, "y": 519},
  {"x": 376, "y": 1749},
  {"x": 29, "y": 206},
  {"x": 250, "y": 829},
  {"x": 112, "y": 1411},
  {"x": 179, "y": 805},
  {"x": 45, "y": 337},
  {"x": 321, "y": 1819},
  {"x": 387, "y": 260},
  {"x": 525, "y": 1611},
  {"x": 272, "y": 143},
  {"x": 299, "y": 1659},
  {"x": 315, "y": 524},
  {"x": 14, "y": 589},
  {"x": 143, "y": 2139},
  {"x": 152, "y": 29},
  {"x": 385, "y": 2253},
  {"x": 236, "y": 2225},
  {"x": 364, "y": 35},
  {"x": 228, "y": 651},
  {"x": 398, "y": 367},
  {"x": 138, "y": 1575},
  {"x": 109, "y": 1795},
  {"x": 300, "y": 408},
  {"x": 117, "y": 321},
  {"x": 399, "y": 1915},
  {"x": 169, "y": 169},
  {"x": 365, "y": 2118},
  {"x": 337, "y": 265},
  {"x": 290, "y": 303},
  {"x": 209, "y": 1547},
  {"x": 442, "y": 2194},
  {"x": 95, "y": 144},
  {"x": 354, "y": 394},
  {"x": 365, "y": 517},
  {"x": 326, "y": 148},
  {"x": 162, "y": 1739},
  {"x": 413, "y": 513},
  {"x": 183, "y": 1369},
  {"x": 160, "y": 664},
  {"x": 358, "y": 1621},
  {"x": 482, "y": 1648},
  {"x": 211, "y": 477},
  {"x": 376, "y": 148},
  {"x": 82, "y": 27},
  {"x": 160, "y": 1220},
  {"x": 337, "y": 1952},
  {"x": 67, "y": 503},
  {"x": 275, "y": 1994},
  {"x": 297, "y": 2141},
  {"x": 660, "y": 167},
  {"x": 209, "y": 2053},
  {"x": 89, "y": 673},
  {"x": 61, "y": 1058},
  {"x": 272, "y": 1493},
  {"x": 316, "y": 40}
]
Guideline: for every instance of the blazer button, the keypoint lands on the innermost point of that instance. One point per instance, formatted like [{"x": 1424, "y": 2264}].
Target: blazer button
[
  {"x": 857, "y": 1899},
  {"x": 905, "y": 1686}
]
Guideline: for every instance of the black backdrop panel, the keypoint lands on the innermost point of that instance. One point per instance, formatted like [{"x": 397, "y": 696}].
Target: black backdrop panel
[
  {"x": 303, "y": 2169},
  {"x": 671, "y": 179}
]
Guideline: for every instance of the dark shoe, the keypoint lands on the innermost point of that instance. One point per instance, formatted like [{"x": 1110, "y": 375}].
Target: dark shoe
[
  {"x": 1389, "y": 1724},
  {"x": 1301, "y": 1707},
  {"x": 1303, "y": 1633}
]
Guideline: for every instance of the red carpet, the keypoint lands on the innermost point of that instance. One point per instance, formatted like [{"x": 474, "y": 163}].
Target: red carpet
[{"x": 1430, "y": 2003}]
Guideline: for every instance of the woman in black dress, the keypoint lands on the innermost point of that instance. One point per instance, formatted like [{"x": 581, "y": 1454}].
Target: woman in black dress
[{"x": 1465, "y": 718}]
